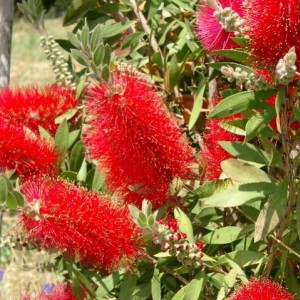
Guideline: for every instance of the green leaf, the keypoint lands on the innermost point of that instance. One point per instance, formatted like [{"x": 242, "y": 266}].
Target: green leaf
[
  {"x": 298, "y": 214},
  {"x": 81, "y": 57},
  {"x": 73, "y": 135},
  {"x": 242, "y": 172},
  {"x": 19, "y": 198},
  {"x": 107, "y": 55},
  {"x": 96, "y": 37},
  {"x": 240, "y": 102},
  {"x": 74, "y": 40},
  {"x": 78, "y": 9},
  {"x": 225, "y": 235},
  {"x": 184, "y": 223},
  {"x": 98, "y": 181},
  {"x": 117, "y": 28},
  {"x": 3, "y": 190},
  {"x": 67, "y": 115},
  {"x": 134, "y": 211},
  {"x": 85, "y": 282},
  {"x": 236, "y": 55},
  {"x": 105, "y": 73},
  {"x": 278, "y": 103},
  {"x": 272, "y": 212},
  {"x": 245, "y": 258},
  {"x": 192, "y": 290},
  {"x": 127, "y": 287},
  {"x": 246, "y": 152},
  {"x": 81, "y": 176},
  {"x": 155, "y": 285},
  {"x": 98, "y": 55},
  {"x": 85, "y": 35},
  {"x": 244, "y": 42},
  {"x": 197, "y": 103},
  {"x": 259, "y": 122},
  {"x": 172, "y": 74},
  {"x": 241, "y": 194},
  {"x": 80, "y": 86},
  {"x": 62, "y": 137},
  {"x": 132, "y": 39},
  {"x": 44, "y": 133},
  {"x": 69, "y": 175},
  {"x": 76, "y": 157},
  {"x": 11, "y": 201}
]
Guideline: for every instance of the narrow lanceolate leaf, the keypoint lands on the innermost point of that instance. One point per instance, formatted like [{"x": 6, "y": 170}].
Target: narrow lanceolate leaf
[
  {"x": 197, "y": 103},
  {"x": 241, "y": 194},
  {"x": 96, "y": 37},
  {"x": 3, "y": 189},
  {"x": 11, "y": 201},
  {"x": 80, "y": 57},
  {"x": 259, "y": 122},
  {"x": 242, "y": 172},
  {"x": 272, "y": 212},
  {"x": 278, "y": 103},
  {"x": 236, "y": 55},
  {"x": 192, "y": 290},
  {"x": 240, "y": 102},
  {"x": 225, "y": 235},
  {"x": 246, "y": 152},
  {"x": 185, "y": 224},
  {"x": 155, "y": 285}
]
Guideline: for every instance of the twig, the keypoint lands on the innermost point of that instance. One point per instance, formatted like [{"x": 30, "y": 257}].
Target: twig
[
  {"x": 289, "y": 172},
  {"x": 146, "y": 27},
  {"x": 171, "y": 272}
]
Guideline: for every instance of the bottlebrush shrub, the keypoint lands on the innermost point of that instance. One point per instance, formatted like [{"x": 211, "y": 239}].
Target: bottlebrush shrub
[
  {"x": 134, "y": 138},
  {"x": 210, "y": 31},
  {"x": 70, "y": 219},
  {"x": 261, "y": 288},
  {"x": 272, "y": 35},
  {"x": 213, "y": 154},
  {"x": 59, "y": 292},
  {"x": 37, "y": 106},
  {"x": 22, "y": 150}
]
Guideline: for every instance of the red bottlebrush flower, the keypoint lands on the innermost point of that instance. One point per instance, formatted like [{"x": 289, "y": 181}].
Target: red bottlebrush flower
[
  {"x": 208, "y": 29},
  {"x": 261, "y": 289},
  {"x": 59, "y": 292},
  {"x": 35, "y": 106},
  {"x": 273, "y": 26},
  {"x": 22, "y": 150},
  {"x": 66, "y": 218},
  {"x": 135, "y": 139},
  {"x": 214, "y": 154}
]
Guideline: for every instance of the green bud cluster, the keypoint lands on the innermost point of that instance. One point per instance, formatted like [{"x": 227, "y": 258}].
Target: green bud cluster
[
  {"x": 59, "y": 66},
  {"x": 244, "y": 79},
  {"x": 286, "y": 67},
  {"x": 230, "y": 20}
]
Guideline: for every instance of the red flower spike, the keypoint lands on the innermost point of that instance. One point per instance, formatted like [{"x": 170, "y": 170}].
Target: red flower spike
[
  {"x": 135, "y": 139},
  {"x": 60, "y": 292},
  {"x": 214, "y": 154},
  {"x": 172, "y": 224},
  {"x": 274, "y": 27},
  {"x": 261, "y": 289},
  {"x": 35, "y": 106},
  {"x": 22, "y": 150},
  {"x": 210, "y": 31},
  {"x": 79, "y": 223}
]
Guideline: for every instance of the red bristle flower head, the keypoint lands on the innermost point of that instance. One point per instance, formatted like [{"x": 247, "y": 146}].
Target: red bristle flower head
[
  {"x": 273, "y": 27},
  {"x": 135, "y": 140},
  {"x": 64, "y": 217},
  {"x": 37, "y": 106},
  {"x": 59, "y": 292},
  {"x": 213, "y": 154},
  {"x": 23, "y": 151},
  {"x": 261, "y": 289},
  {"x": 209, "y": 30}
]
